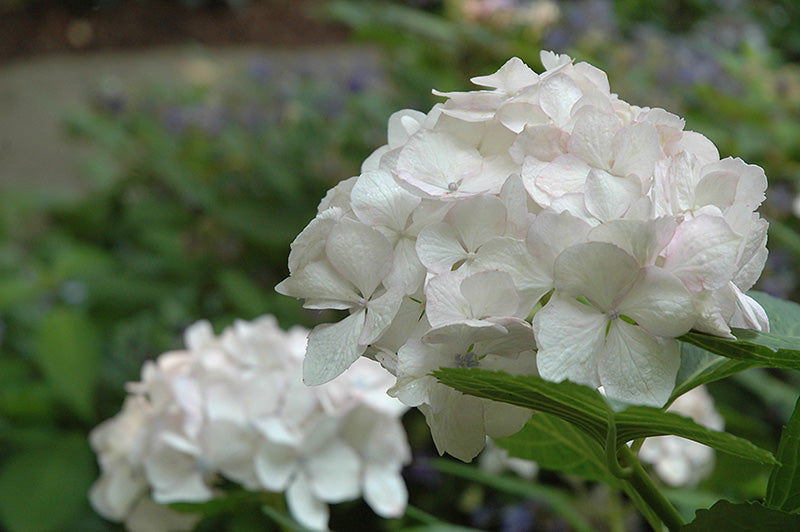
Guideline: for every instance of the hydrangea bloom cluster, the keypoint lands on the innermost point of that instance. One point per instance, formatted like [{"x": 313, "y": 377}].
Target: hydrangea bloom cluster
[
  {"x": 540, "y": 225},
  {"x": 234, "y": 407},
  {"x": 681, "y": 462}
]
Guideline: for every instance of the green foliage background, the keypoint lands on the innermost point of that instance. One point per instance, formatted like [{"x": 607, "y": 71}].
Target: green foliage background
[{"x": 195, "y": 194}]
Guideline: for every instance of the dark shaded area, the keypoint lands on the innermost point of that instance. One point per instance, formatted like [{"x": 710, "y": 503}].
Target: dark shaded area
[{"x": 53, "y": 26}]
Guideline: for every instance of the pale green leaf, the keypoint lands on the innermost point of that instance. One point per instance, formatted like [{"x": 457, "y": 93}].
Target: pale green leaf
[
  {"x": 744, "y": 517},
  {"x": 783, "y": 490}
]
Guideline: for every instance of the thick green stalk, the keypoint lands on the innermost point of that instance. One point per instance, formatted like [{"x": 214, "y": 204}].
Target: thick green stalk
[{"x": 645, "y": 487}]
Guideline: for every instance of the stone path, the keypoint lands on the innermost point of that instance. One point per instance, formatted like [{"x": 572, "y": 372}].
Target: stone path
[{"x": 35, "y": 95}]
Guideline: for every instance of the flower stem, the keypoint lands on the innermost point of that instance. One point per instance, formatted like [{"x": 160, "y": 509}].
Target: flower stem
[{"x": 645, "y": 487}]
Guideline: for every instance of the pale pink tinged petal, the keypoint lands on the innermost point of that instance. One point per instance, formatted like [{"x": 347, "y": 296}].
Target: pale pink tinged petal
[
  {"x": 714, "y": 311},
  {"x": 749, "y": 313},
  {"x": 752, "y": 181},
  {"x": 360, "y": 254},
  {"x": 749, "y": 273},
  {"x": 403, "y": 124},
  {"x": 310, "y": 243},
  {"x": 490, "y": 294},
  {"x": 532, "y": 278},
  {"x": 574, "y": 204},
  {"x": 334, "y": 473},
  {"x": 373, "y": 160},
  {"x": 699, "y": 145},
  {"x": 495, "y": 170},
  {"x": 551, "y": 233},
  {"x": 553, "y": 61},
  {"x": 198, "y": 334},
  {"x": 332, "y": 347},
  {"x": 457, "y": 429},
  {"x": 598, "y": 78},
  {"x": 601, "y": 272},
  {"x": 681, "y": 182},
  {"x": 636, "y": 367},
  {"x": 378, "y": 200},
  {"x": 473, "y": 106},
  {"x": 566, "y": 173},
  {"x": 531, "y": 168},
  {"x": 544, "y": 142},
  {"x": 716, "y": 188},
  {"x": 557, "y": 96},
  {"x": 643, "y": 239},
  {"x": 593, "y": 135},
  {"x": 636, "y": 149},
  {"x": 113, "y": 494},
  {"x": 608, "y": 196},
  {"x": 478, "y": 219},
  {"x": 380, "y": 313},
  {"x": 501, "y": 419},
  {"x": 495, "y": 139},
  {"x": 274, "y": 465},
  {"x": 515, "y": 199},
  {"x": 385, "y": 491},
  {"x": 438, "y": 247},
  {"x": 703, "y": 253},
  {"x": 175, "y": 477},
  {"x": 512, "y": 77},
  {"x": 444, "y": 302},
  {"x": 668, "y": 125},
  {"x": 515, "y": 115},
  {"x": 570, "y": 337},
  {"x": 307, "y": 509},
  {"x": 321, "y": 283},
  {"x": 659, "y": 303}
]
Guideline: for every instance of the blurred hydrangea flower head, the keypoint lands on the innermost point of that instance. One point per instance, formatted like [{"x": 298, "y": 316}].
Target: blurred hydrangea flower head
[
  {"x": 539, "y": 225},
  {"x": 233, "y": 407}
]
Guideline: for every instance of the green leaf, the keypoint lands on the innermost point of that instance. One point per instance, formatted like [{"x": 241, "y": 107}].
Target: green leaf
[
  {"x": 784, "y": 316},
  {"x": 759, "y": 349},
  {"x": 285, "y": 522},
  {"x": 743, "y": 517},
  {"x": 68, "y": 352},
  {"x": 246, "y": 296},
  {"x": 556, "y": 444},
  {"x": 555, "y": 499},
  {"x": 585, "y": 408},
  {"x": 783, "y": 490},
  {"x": 42, "y": 490}
]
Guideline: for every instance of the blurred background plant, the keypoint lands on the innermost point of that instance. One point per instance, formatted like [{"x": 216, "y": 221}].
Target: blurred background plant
[{"x": 195, "y": 192}]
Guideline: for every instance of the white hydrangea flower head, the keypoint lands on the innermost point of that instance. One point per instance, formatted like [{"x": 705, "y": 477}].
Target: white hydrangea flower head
[
  {"x": 541, "y": 197},
  {"x": 234, "y": 407},
  {"x": 681, "y": 462}
]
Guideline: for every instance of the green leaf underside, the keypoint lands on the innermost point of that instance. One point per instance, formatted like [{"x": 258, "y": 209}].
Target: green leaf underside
[
  {"x": 556, "y": 444},
  {"x": 586, "y": 409},
  {"x": 783, "y": 489},
  {"x": 700, "y": 364},
  {"x": 765, "y": 350},
  {"x": 556, "y": 499},
  {"x": 744, "y": 517}
]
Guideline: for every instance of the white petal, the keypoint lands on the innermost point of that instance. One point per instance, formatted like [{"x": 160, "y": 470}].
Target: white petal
[
  {"x": 274, "y": 465},
  {"x": 636, "y": 150},
  {"x": 570, "y": 337},
  {"x": 512, "y": 77},
  {"x": 608, "y": 196},
  {"x": 601, "y": 272},
  {"x": 659, "y": 303},
  {"x": 515, "y": 115},
  {"x": 703, "y": 253},
  {"x": 332, "y": 348},
  {"x": 334, "y": 473},
  {"x": 544, "y": 142},
  {"x": 643, "y": 239},
  {"x": 490, "y": 294},
  {"x": 566, "y": 173},
  {"x": 457, "y": 428},
  {"x": 322, "y": 284},
  {"x": 385, "y": 491},
  {"x": 360, "y": 254},
  {"x": 478, "y": 219},
  {"x": 501, "y": 419},
  {"x": 377, "y": 199},
  {"x": 438, "y": 247},
  {"x": 593, "y": 135},
  {"x": 431, "y": 162},
  {"x": 310, "y": 243},
  {"x": 636, "y": 367},
  {"x": 307, "y": 509},
  {"x": 557, "y": 95},
  {"x": 403, "y": 124},
  {"x": 380, "y": 313}
]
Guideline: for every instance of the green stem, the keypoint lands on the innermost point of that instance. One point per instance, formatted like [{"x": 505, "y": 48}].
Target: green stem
[{"x": 645, "y": 487}]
